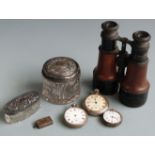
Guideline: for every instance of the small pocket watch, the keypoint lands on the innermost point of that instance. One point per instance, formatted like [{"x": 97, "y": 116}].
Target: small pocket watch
[
  {"x": 75, "y": 116},
  {"x": 112, "y": 118},
  {"x": 96, "y": 104}
]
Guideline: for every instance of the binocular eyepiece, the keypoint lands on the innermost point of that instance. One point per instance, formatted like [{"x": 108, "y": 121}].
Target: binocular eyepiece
[
  {"x": 140, "y": 45},
  {"x": 109, "y": 35},
  {"x": 119, "y": 71},
  {"x": 110, "y": 30}
]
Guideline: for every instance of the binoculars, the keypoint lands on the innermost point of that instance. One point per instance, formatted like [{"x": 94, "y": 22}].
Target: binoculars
[{"x": 119, "y": 71}]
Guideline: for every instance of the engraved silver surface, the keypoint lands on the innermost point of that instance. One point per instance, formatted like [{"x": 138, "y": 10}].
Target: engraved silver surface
[
  {"x": 61, "y": 82},
  {"x": 21, "y": 107}
]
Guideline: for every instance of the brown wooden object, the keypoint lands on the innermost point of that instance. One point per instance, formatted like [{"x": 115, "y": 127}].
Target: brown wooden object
[
  {"x": 135, "y": 86},
  {"x": 105, "y": 74}
]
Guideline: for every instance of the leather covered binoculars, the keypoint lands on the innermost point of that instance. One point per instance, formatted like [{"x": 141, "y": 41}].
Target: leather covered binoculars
[{"x": 119, "y": 71}]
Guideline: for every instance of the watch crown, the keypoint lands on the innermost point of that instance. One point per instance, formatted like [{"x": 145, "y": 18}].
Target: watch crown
[
  {"x": 96, "y": 91},
  {"x": 74, "y": 105}
]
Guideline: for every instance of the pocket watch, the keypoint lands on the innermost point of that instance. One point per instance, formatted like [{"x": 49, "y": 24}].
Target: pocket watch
[
  {"x": 75, "y": 116},
  {"x": 96, "y": 104},
  {"x": 112, "y": 118}
]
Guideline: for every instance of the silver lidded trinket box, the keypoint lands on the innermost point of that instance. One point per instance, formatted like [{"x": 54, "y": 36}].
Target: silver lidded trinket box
[
  {"x": 21, "y": 107},
  {"x": 61, "y": 80}
]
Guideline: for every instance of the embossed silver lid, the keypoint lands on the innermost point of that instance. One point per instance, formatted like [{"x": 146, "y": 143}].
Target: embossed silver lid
[{"x": 60, "y": 69}]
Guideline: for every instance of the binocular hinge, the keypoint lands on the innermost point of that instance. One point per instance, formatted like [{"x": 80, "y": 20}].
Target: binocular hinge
[{"x": 123, "y": 55}]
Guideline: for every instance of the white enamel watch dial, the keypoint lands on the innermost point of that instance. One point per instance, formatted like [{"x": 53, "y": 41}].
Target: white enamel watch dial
[
  {"x": 75, "y": 117},
  {"x": 95, "y": 104},
  {"x": 112, "y": 118}
]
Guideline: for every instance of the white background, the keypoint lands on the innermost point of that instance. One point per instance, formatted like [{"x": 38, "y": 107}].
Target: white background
[
  {"x": 77, "y": 9},
  {"x": 25, "y": 45}
]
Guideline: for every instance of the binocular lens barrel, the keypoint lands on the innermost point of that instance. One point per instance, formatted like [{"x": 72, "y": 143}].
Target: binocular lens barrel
[
  {"x": 105, "y": 74},
  {"x": 135, "y": 86}
]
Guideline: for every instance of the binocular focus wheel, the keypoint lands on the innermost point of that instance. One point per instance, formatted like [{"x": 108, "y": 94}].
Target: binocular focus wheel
[{"x": 132, "y": 100}]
